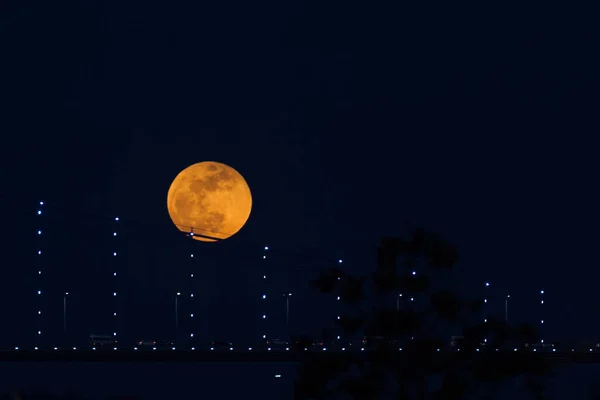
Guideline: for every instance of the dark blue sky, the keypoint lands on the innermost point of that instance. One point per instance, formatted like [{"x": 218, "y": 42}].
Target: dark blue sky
[{"x": 345, "y": 120}]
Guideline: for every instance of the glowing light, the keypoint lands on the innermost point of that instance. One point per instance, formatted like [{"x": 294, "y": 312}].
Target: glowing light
[{"x": 192, "y": 206}]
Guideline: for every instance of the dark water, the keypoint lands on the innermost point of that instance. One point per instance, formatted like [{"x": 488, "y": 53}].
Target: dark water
[{"x": 153, "y": 381}]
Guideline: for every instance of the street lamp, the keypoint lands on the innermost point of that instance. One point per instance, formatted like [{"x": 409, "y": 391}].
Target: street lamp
[
  {"x": 65, "y": 312},
  {"x": 506, "y": 307},
  {"x": 177, "y": 314},
  {"x": 287, "y": 310}
]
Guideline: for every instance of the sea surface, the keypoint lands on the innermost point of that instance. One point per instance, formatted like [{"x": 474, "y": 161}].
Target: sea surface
[{"x": 265, "y": 381}]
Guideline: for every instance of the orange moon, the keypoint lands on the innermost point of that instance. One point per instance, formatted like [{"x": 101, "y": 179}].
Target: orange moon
[{"x": 209, "y": 199}]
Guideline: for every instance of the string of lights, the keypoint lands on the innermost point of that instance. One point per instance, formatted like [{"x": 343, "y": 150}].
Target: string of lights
[
  {"x": 142, "y": 230},
  {"x": 298, "y": 261},
  {"x": 264, "y": 300},
  {"x": 305, "y": 262},
  {"x": 41, "y": 271},
  {"x": 485, "y": 300},
  {"x": 115, "y": 281},
  {"x": 541, "y": 315},
  {"x": 485, "y": 306},
  {"x": 192, "y": 302}
]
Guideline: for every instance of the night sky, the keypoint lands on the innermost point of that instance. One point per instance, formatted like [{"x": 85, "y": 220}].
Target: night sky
[{"x": 346, "y": 120}]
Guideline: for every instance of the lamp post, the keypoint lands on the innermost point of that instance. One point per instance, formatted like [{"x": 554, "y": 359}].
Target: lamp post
[
  {"x": 177, "y": 314},
  {"x": 287, "y": 311},
  {"x": 506, "y": 307},
  {"x": 65, "y": 313},
  {"x": 339, "y": 278}
]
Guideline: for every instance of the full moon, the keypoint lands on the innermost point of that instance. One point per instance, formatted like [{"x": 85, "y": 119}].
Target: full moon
[{"x": 210, "y": 200}]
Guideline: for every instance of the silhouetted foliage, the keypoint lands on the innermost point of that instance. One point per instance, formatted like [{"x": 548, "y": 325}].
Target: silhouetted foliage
[{"x": 423, "y": 370}]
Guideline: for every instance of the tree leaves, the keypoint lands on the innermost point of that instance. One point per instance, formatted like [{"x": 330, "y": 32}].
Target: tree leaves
[
  {"x": 351, "y": 289},
  {"x": 412, "y": 328},
  {"x": 446, "y": 304}
]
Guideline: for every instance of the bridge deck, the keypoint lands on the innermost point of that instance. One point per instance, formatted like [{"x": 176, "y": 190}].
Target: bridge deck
[{"x": 233, "y": 356}]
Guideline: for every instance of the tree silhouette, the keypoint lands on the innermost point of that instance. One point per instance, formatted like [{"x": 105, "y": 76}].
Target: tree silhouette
[{"x": 425, "y": 368}]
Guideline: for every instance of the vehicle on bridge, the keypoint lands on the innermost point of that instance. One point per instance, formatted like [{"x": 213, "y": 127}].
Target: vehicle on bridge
[
  {"x": 543, "y": 346},
  {"x": 343, "y": 345},
  {"x": 307, "y": 343},
  {"x": 456, "y": 341},
  {"x": 373, "y": 342},
  {"x": 221, "y": 345},
  {"x": 155, "y": 344},
  {"x": 103, "y": 341},
  {"x": 277, "y": 344},
  {"x": 302, "y": 342}
]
